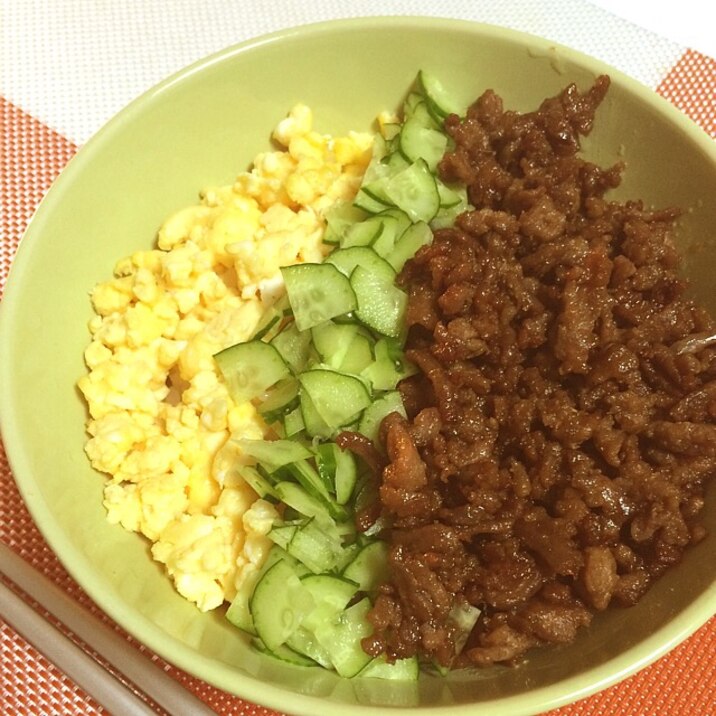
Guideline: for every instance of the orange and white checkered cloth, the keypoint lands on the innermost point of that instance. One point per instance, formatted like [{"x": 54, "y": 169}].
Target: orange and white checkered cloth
[{"x": 66, "y": 67}]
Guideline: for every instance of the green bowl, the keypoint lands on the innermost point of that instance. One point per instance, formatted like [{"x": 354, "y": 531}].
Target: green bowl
[{"x": 201, "y": 127}]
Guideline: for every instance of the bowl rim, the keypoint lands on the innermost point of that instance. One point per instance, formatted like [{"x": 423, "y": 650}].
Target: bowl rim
[{"x": 167, "y": 647}]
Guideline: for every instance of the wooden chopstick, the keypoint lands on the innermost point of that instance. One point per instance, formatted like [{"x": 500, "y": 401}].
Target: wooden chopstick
[{"x": 148, "y": 678}]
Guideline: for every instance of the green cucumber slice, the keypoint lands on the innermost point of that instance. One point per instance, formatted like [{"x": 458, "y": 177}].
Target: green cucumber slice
[
  {"x": 338, "y": 469},
  {"x": 317, "y": 545},
  {"x": 414, "y": 238},
  {"x": 297, "y": 497},
  {"x": 273, "y": 454},
  {"x": 369, "y": 201},
  {"x": 381, "y": 305},
  {"x": 400, "y": 216},
  {"x": 451, "y": 197},
  {"x": 390, "y": 366},
  {"x": 294, "y": 347},
  {"x": 415, "y": 191},
  {"x": 293, "y": 423},
  {"x": 400, "y": 670},
  {"x": 283, "y": 653},
  {"x": 420, "y": 142},
  {"x": 374, "y": 414},
  {"x": 346, "y": 476},
  {"x": 282, "y": 398},
  {"x": 317, "y": 292},
  {"x": 359, "y": 356},
  {"x": 333, "y": 341},
  {"x": 345, "y": 260},
  {"x": 341, "y": 638},
  {"x": 304, "y": 642},
  {"x": 258, "y": 483},
  {"x": 331, "y": 595},
  {"x": 337, "y": 397},
  {"x": 238, "y": 612},
  {"x": 439, "y": 99},
  {"x": 310, "y": 480},
  {"x": 282, "y": 535},
  {"x": 279, "y": 604},
  {"x": 338, "y": 219},
  {"x": 315, "y": 425},
  {"x": 249, "y": 369},
  {"x": 271, "y": 321},
  {"x": 369, "y": 568},
  {"x": 362, "y": 234}
]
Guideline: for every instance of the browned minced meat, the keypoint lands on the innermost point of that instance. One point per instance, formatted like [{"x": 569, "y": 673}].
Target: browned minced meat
[{"x": 562, "y": 423}]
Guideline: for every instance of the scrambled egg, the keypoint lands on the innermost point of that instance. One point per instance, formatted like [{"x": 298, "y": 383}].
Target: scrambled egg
[{"x": 160, "y": 415}]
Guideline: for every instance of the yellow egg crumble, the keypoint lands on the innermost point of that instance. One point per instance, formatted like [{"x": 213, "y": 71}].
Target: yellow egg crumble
[{"x": 160, "y": 415}]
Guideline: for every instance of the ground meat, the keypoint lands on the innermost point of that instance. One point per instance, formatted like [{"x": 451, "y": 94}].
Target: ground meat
[{"x": 562, "y": 423}]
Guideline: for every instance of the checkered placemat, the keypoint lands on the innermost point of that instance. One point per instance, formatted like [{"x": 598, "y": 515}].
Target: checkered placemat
[{"x": 137, "y": 44}]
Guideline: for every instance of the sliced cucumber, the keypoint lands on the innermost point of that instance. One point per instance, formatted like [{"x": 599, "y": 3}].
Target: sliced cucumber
[
  {"x": 334, "y": 341},
  {"x": 338, "y": 468},
  {"x": 464, "y": 617},
  {"x": 294, "y": 347},
  {"x": 402, "y": 219},
  {"x": 422, "y": 113},
  {"x": 273, "y": 454},
  {"x": 341, "y": 468},
  {"x": 293, "y": 423},
  {"x": 412, "y": 101},
  {"x": 331, "y": 595},
  {"x": 338, "y": 398},
  {"x": 341, "y": 638},
  {"x": 370, "y": 201},
  {"x": 238, "y": 612},
  {"x": 326, "y": 464},
  {"x": 345, "y": 260},
  {"x": 283, "y": 653},
  {"x": 438, "y": 98},
  {"x": 282, "y": 398},
  {"x": 369, "y": 568},
  {"x": 446, "y": 217},
  {"x": 317, "y": 292},
  {"x": 414, "y": 238},
  {"x": 381, "y": 305},
  {"x": 449, "y": 197},
  {"x": 359, "y": 355},
  {"x": 271, "y": 321},
  {"x": 363, "y": 234},
  {"x": 279, "y": 604},
  {"x": 420, "y": 142},
  {"x": 310, "y": 480},
  {"x": 338, "y": 219},
  {"x": 282, "y": 535},
  {"x": 346, "y": 475},
  {"x": 258, "y": 483},
  {"x": 315, "y": 425},
  {"x": 385, "y": 241},
  {"x": 415, "y": 191},
  {"x": 304, "y": 642},
  {"x": 297, "y": 497},
  {"x": 390, "y": 366},
  {"x": 249, "y": 369},
  {"x": 395, "y": 162},
  {"x": 317, "y": 545},
  {"x": 374, "y": 414},
  {"x": 400, "y": 670}
]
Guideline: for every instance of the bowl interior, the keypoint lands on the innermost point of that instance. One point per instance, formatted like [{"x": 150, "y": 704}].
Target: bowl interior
[{"x": 199, "y": 129}]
